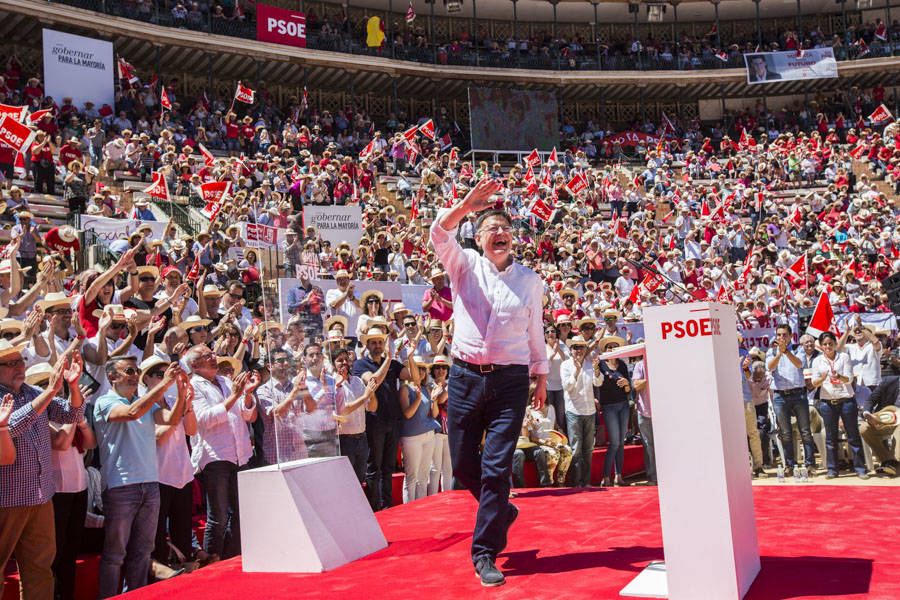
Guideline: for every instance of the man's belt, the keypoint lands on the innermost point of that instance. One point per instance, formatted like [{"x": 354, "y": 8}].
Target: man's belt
[
  {"x": 795, "y": 390},
  {"x": 481, "y": 369},
  {"x": 838, "y": 401}
]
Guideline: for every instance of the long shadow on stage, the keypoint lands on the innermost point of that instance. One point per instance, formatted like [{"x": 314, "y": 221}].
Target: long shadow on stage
[{"x": 780, "y": 578}]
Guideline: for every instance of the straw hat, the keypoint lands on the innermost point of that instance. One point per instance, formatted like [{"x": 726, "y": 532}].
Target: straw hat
[
  {"x": 420, "y": 361},
  {"x": 7, "y": 324},
  {"x": 567, "y": 292},
  {"x": 194, "y": 321},
  {"x": 368, "y": 294},
  {"x": 610, "y": 339},
  {"x": 141, "y": 271},
  {"x": 374, "y": 333},
  {"x": 399, "y": 310},
  {"x": 577, "y": 341},
  {"x": 5, "y": 267},
  {"x": 330, "y": 321},
  {"x": 39, "y": 374},
  {"x": 211, "y": 290},
  {"x": 335, "y": 337},
  {"x": 151, "y": 362},
  {"x": 52, "y": 300},
  {"x": 269, "y": 325},
  {"x": 435, "y": 273},
  {"x": 7, "y": 349},
  {"x": 611, "y": 313},
  {"x": 229, "y": 360},
  {"x": 341, "y": 274}
]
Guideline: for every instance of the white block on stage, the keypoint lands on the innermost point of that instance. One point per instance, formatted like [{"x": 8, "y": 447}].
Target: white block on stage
[
  {"x": 705, "y": 493},
  {"x": 308, "y": 516}
]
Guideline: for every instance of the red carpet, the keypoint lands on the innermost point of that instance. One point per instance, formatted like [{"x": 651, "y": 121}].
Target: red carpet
[{"x": 816, "y": 542}]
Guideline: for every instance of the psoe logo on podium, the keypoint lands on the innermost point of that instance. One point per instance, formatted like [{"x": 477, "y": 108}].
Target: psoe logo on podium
[{"x": 690, "y": 328}]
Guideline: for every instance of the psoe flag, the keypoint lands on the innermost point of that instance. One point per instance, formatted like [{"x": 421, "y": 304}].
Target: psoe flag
[{"x": 79, "y": 67}]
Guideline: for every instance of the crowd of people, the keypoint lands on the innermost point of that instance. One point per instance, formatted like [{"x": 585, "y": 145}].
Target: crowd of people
[{"x": 124, "y": 384}]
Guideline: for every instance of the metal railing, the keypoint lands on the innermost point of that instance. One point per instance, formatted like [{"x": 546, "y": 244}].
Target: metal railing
[
  {"x": 180, "y": 216},
  {"x": 550, "y": 57}
]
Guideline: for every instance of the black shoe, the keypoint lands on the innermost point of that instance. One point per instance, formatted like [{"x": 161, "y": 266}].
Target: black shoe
[
  {"x": 489, "y": 574},
  {"x": 831, "y": 475},
  {"x": 890, "y": 467},
  {"x": 789, "y": 472},
  {"x": 759, "y": 473},
  {"x": 863, "y": 476},
  {"x": 510, "y": 519}
]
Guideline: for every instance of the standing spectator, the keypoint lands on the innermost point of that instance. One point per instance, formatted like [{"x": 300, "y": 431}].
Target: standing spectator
[
  {"x": 280, "y": 410},
  {"x": 127, "y": 441},
  {"x": 790, "y": 398},
  {"x": 614, "y": 384},
  {"x": 645, "y": 424},
  {"x": 28, "y": 232},
  {"x": 221, "y": 446},
  {"x": 438, "y": 301},
  {"x": 42, "y": 163},
  {"x": 342, "y": 302},
  {"x": 578, "y": 380},
  {"x": 26, "y": 483}
]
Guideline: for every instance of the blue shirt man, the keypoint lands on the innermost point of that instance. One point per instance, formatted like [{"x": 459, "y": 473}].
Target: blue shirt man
[{"x": 786, "y": 365}]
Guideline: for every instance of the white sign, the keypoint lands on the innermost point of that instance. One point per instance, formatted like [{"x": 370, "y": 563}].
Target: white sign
[
  {"x": 109, "y": 230},
  {"x": 394, "y": 293},
  {"x": 814, "y": 63},
  {"x": 78, "y": 67},
  {"x": 336, "y": 223}
]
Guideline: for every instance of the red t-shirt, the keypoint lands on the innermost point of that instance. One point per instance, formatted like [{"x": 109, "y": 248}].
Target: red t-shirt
[
  {"x": 232, "y": 130},
  {"x": 90, "y": 323},
  {"x": 68, "y": 153},
  {"x": 44, "y": 153},
  {"x": 52, "y": 239},
  {"x": 248, "y": 131}
]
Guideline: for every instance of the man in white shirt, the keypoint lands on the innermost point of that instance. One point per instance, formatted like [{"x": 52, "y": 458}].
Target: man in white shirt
[
  {"x": 221, "y": 446},
  {"x": 498, "y": 340},
  {"x": 578, "y": 381},
  {"x": 343, "y": 302},
  {"x": 865, "y": 355}
]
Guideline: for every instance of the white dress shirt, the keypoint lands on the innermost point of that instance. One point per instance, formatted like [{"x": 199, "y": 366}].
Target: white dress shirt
[
  {"x": 348, "y": 309},
  {"x": 322, "y": 419},
  {"x": 579, "y": 393},
  {"x": 352, "y": 389},
  {"x": 866, "y": 363},
  {"x": 221, "y": 434},
  {"x": 491, "y": 308},
  {"x": 173, "y": 461}
]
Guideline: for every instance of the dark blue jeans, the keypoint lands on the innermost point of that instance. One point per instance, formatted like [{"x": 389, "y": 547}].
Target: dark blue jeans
[
  {"x": 794, "y": 403},
  {"x": 615, "y": 417},
  {"x": 356, "y": 449},
  {"x": 383, "y": 438},
  {"x": 490, "y": 405},
  {"x": 129, "y": 530},
  {"x": 223, "y": 521},
  {"x": 582, "y": 429},
  {"x": 846, "y": 411},
  {"x": 557, "y": 399}
]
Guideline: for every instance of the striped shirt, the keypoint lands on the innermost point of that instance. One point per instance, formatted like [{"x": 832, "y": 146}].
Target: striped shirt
[{"x": 29, "y": 480}]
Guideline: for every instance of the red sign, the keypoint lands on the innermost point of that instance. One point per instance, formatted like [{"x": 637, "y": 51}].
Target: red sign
[
  {"x": 14, "y": 134},
  {"x": 261, "y": 236},
  {"x": 691, "y": 328},
  {"x": 213, "y": 191},
  {"x": 280, "y": 26}
]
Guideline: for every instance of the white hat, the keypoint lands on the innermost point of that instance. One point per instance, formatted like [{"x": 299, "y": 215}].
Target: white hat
[
  {"x": 38, "y": 373},
  {"x": 151, "y": 362},
  {"x": 194, "y": 321},
  {"x": 54, "y": 299},
  {"x": 67, "y": 234}
]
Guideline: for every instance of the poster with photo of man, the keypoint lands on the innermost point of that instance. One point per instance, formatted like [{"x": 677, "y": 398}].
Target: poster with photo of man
[{"x": 791, "y": 65}]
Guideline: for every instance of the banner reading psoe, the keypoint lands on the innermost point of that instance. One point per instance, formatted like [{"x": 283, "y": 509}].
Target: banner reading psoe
[{"x": 280, "y": 26}]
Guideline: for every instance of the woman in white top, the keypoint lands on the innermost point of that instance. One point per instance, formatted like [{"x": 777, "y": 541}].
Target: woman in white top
[
  {"x": 68, "y": 444},
  {"x": 176, "y": 473},
  {"x": 441, "y": 468},
  {"x": 832, "y": 372},
  {"x": 372, "y": 310}
]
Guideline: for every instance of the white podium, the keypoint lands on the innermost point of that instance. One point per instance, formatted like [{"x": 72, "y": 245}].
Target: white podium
[
  {"x": 308, "y": 516},
  {"x": 705, "y": 493}
]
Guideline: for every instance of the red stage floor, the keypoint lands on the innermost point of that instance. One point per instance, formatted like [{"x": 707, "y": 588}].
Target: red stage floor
[{"x": 816, "y": 542}]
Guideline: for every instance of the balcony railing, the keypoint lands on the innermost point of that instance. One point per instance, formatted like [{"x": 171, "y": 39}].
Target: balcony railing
[{"x": 550, "y": 57}]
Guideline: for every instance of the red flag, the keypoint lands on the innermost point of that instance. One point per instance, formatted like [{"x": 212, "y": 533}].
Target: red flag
[
  {"x": 545, "y": 180},
  {"x": 796, "y": 219},
  {"x": 621, "y": 232},
  {"x": 213, "y": 192},
  {"x": 576, "y": 184},
  {"x": 414, "y": 209},
  {"x": 722, "y": 55},
  {"x": 446, "y": 142},
  {"x": 724, "y": 296},
  {"x": 541, "y": 210},
  {"x": 704, "y": 209},
  {"x": 208, "y": 157},
  {"x": 164, "y": 99},
  {"x": 822, "y": 319},
  {"x": 798, "y": 269},
  {"x": 668, "y": 215},
  {"x": 453, "y": 193},
  {"x": 552, "y": 160},
  {"x": 863, "y": 48},
  {"x": 410, "y": 14},
  {"x": 367, "y": 151},
  {"x": 881, "y": 31},
  {"x": 37, "y": 116},
  {"x": 858, "y": 151},
  {"x": 427, "y": 129},
  {"x": 16, "y": 112},
  {"x": 881, "y": 115},
  {"x": 454, "y": 155},
  {"x": 713, "y": 31},
  {"x": 799, "y": 50},
  {"x": 14, "y": 134},
  {"x": 410, "y": 134},
  {"x": 244, "y": 94},
  {"x": 533, "y": 159},
  {"x": 126, "y": 72},
  {"x": 194, "y": 273},
  {"x": 159, "y": 188}
]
